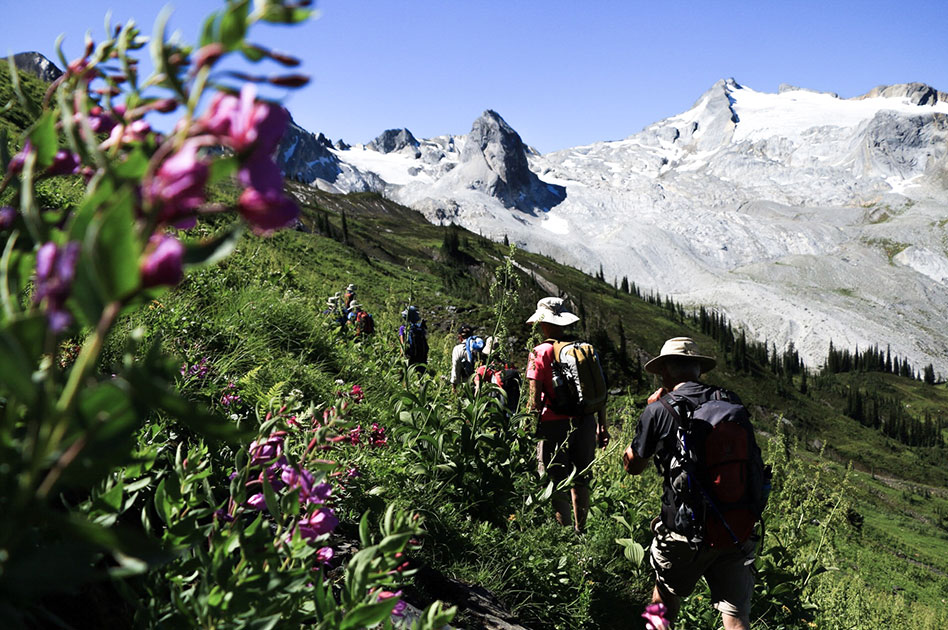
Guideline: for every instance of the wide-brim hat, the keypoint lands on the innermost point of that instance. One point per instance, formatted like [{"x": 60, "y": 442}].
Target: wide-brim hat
[
  {"x": 351, "y": 287},
  {"x": 552, "y": 310},
  {"x": 680, "y": 347},
  {"x": 332, "y": 301},
  {"x": 354, "y": 305}
]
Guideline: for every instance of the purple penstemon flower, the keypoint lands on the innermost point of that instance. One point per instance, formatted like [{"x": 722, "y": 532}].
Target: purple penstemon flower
[
  {"x": 163, "y": 264},
  {"x": 324, "y": 555},
  {"x": 245, "y": 124},
  {"x": 267, "y": 450},
  {"x": 321, "y": 521},
  {"x": 655, "y": 617},
  {"x": 55, "y": 270},
  {"x": 8, "y": 215},
  {"x": 177, "y": 188}
]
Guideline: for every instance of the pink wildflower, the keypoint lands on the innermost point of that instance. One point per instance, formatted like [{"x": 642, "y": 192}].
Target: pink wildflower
[
  {"x": 266, "y": 450},
  {"x": 177, "y": 188},
  {"x": 267, "y": 211},
  {"x": 245, "y": 124},
  {"x": 324, "y": 555},
  {"x": 257, "y": 502},
  {"x": 399, "y": 610},
  {"x": 55, "y": 269},
  {"x": 357, "y": 394},
  {"x": 163, "y": 263},
  {"x": 655, "y": 617},
  {"x": 320, "y": 522}
]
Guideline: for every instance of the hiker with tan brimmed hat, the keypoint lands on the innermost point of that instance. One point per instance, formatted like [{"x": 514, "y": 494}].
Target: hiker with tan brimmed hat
[
  {"x": 568, "y": 395},
  {"x": 714, "y": 483}
]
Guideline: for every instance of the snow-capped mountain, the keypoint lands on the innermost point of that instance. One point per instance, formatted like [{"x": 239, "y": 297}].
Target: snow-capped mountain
[{"x": 803, "y": 216}]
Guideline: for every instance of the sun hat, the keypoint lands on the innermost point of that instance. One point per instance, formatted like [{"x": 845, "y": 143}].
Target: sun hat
[
  {"x": 552, "y": 310},
  {"x": 332, "y": 301},
  {"x": 354, "y": 305},
  {"x": 680, "y": 347},
  {"x": 351, "y": 287}
]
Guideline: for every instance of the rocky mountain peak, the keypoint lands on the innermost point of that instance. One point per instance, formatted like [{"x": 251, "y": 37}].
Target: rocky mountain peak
[
  {"x": 495, "y": 144},
  {"x": 393, "y": 140},
  {"x": 38, "y": 65},
  {"x": 916, "y": 93}
]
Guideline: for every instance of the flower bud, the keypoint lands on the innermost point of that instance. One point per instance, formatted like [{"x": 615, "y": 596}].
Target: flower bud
[{"x": 163, "y": 263}]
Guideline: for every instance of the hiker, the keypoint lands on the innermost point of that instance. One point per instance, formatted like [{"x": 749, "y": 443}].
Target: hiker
[
  {"x": 465, "y": 356},
  {"x": 349, "y": 296},
  {"x": 362, "y": 322},
  {"x": 335, "y": 311},
  {"x": 568, "y": 394},
  {"x": 713, "y": 492},
  {"x": 413, "y": 337},
  {"x": 498, "y": 371}
]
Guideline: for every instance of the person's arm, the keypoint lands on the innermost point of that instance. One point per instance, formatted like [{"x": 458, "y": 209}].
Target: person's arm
[
  {"x": 632, "y": 463},
  {"x": 602, "y": 429},
  {"x": 533, "y": 398}
]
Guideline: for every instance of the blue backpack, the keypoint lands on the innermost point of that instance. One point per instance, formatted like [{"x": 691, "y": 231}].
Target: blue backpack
[{"x": 416, "y": 344}]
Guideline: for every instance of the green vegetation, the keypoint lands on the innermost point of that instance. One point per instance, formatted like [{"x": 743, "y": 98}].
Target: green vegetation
[
  {"x": 257, "y": 317},
  {"x": 857, "y": 526}
]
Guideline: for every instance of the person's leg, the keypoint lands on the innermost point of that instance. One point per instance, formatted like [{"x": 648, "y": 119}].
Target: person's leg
[
  {"x": 735, "y": 623},
  {"x": 580, "y": 507},
  {"x": 672, "y": 602}
]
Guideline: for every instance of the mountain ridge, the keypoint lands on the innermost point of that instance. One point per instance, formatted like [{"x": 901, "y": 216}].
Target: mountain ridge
[{"x": 809, "y": 217}]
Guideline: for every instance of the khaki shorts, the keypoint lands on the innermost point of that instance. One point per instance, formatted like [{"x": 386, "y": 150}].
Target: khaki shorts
[
  {"x": 565, "y": 444},
  {"x": 728, "y": 572}
]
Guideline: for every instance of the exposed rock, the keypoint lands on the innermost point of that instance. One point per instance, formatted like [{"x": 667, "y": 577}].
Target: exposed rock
[
  {"x": 393, "y": 140},
  {"x": 341, "y": 145},
  {"x": 786, "y": 87},
  {"x": 507, "y": 177},
  {"x": 917, "y": 93},
  {"x": 38, "y": 65}
]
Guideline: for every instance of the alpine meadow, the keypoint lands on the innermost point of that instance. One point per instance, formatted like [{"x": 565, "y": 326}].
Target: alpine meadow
[{"x": 189, "y": 438}]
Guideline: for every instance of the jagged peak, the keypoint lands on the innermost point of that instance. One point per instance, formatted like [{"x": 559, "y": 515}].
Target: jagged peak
[
  {"x": 393, "y": 140},
  {"x": 37, "y": 64},
  {"x": 917, "y": 93}
]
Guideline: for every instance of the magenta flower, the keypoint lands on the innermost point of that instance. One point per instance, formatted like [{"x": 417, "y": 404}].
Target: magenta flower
[
  {"x": 99, "y": 120},
  {"x": 655, "y": 617},
  {"x": 324, "y": 555},
  {"x": 64, "y": 163},
  {"x": 399, "y": 610},
  {"x": 267, "y": 450},
  {"x": 245, "y": 124},
  {"x": 163, "y": 263},
  {"x": 257, "y": 502},
  {"x": 15, "y": 165},
  {"x": 230, "y": 396},
  {"x": 357, "y": 393},
  {"x": 267, "y": 211},
  {"x": 320, "y": 522},
  {"x": 177, "y": 188},
  {"x": 55, "y": 269},
  {"x": 7, "y": 217}
]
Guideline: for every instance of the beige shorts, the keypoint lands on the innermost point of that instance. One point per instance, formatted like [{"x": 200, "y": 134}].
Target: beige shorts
[{"x": 728, "y": 572}]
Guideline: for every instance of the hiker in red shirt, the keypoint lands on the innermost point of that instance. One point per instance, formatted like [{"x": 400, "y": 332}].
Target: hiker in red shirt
[{"x": 568, "y": 436}]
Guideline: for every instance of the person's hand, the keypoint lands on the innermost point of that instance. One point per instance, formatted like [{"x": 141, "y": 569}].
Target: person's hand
[
  {"x": 603, "y": 437},
  {"x": 658, "y": 393}
]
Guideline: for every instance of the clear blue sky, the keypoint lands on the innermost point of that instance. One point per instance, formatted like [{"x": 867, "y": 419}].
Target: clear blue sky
[{"x": 561, "y": 73}]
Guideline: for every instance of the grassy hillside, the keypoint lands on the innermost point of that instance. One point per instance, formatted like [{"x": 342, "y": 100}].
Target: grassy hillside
[
  {"x": 844, "y": 548},
  {"x": 257, "y": 318}
]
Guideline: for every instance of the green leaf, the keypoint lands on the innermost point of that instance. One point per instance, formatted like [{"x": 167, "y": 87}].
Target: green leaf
[
  {"x": 252, "y": 53},
  {"x": 43, "y": 137},
  {"x": 211, "y": 251},
  {"x": 367, "y": 615},
  {"x": 21, "y": 344},
  {"x": 134, "y": 166},
  {"x": 113, "y": 498},
  {"x": 163, "y": 504},
  {"x": 233, "y": 25},
  {"x": 270, "y": 497},
  {"x": 276, "y": 14},
  {"x": 394, "y": 543},
  {"x": 364, "y": 536},
  {"x": 116, "y": 249}
]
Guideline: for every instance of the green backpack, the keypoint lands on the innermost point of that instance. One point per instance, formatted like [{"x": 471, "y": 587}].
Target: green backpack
[{"x": 579, "y": 387}]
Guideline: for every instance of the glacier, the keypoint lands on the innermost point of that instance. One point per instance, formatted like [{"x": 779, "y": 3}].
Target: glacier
[{"x": 804, "y": 217}]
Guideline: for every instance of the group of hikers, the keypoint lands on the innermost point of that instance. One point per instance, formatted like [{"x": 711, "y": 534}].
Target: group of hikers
[
  {"x": 345, "y": 311},
  {"x": 715, "y": 484}
]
